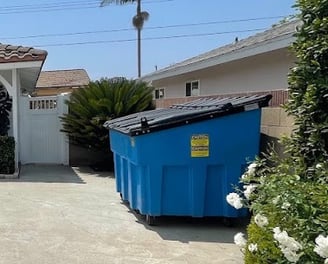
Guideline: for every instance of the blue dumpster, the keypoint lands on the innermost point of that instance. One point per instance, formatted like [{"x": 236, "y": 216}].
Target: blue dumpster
[{"x": 184, "y": 160}]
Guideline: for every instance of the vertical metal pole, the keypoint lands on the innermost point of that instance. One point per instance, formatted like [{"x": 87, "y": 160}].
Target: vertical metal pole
[{"x": 139, "y": 39}]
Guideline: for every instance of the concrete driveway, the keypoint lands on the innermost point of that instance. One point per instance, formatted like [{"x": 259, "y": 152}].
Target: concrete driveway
[{"x": 56, "y": 214}]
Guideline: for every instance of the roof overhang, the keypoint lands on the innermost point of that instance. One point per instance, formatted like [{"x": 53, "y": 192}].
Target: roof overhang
[
  {"x": 29, "y": 77},
  {"x": 20, "y": 65},
  {"x": 259, "y": 48},
  {"x": 25, "y": 61},
  {"x": 28, "y": 73}
]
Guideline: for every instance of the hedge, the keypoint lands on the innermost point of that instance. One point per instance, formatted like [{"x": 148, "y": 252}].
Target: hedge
[{"x": 7, "y": 155}]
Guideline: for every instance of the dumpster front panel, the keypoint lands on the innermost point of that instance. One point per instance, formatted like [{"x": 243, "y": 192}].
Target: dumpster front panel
[
  {"x": 186, "y": 170},
  {"x": 176, "y": 191}
]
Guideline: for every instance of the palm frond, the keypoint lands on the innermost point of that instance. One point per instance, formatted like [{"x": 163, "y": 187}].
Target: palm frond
[
  {"x": 117, "y": 2},
  {"x": 91, "y": 107},
  {"x": 145, "y": 15},
  {"x": 139, "y": 19}
]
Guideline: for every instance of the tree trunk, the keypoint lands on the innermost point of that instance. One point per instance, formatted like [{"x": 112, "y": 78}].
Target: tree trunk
[
  {"x": 139, "y": 52},
  {"x": 139, "y": 40}
]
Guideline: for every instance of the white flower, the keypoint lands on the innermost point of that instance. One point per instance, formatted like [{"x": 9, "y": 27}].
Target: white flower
[
  {"x": 276, "y": 230},
  {"x": 244, "y": 176},
  {"x": 276, "y": 200},
  {"x": 261, "y": 220},
  {"x": 318, "y": 166},
  {"x": 234, "y": 200},
  {"x": 252, "y": 247},
  {"x": 285, "y": 205},
  {"x": 251, "y": 168},
  {"x": 321, "y": 247},
  {"x": 249, "y": 189},
  {"x": 239, "y": 240},
  {"x": 290, "y": 255},
  {"x": 288, "y": 245},
  {"x": 285, "y": 240},
  {"x": 326, "y": 261}
]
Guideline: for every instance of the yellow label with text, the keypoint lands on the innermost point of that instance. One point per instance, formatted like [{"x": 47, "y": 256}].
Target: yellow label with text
[{"x": 199, "y": 144}]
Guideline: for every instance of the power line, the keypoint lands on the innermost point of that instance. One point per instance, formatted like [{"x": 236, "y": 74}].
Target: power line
[
  {"x": 45, "y": 5},
  {"x": 58, "y": 6},
  {"x": 46, "y": 10},
  {"x": 146, "y": 28},
  {"x": 149, "y": 38},
  {"x": 70, "y": 3}
]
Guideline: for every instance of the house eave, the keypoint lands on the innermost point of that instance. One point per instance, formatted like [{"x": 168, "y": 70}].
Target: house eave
[
  {"x": 21, "y": 65},
  {"x": 256, "y": 49}
]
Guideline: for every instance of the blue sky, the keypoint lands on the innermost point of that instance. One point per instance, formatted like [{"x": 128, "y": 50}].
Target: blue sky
[{"x": 63, "y": 23}]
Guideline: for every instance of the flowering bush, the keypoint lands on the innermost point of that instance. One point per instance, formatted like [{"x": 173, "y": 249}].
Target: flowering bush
[
  {"x": 288, "y": 197},
  {"x": 290, "y": 214}
]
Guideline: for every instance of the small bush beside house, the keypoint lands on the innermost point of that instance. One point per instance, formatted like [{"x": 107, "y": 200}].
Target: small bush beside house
[
  {"x": 100, "y": 101},
  {"x": 7, "y": 144},
  {"x": 7, "y": 155},
  {"x": 5, "y": 108}
]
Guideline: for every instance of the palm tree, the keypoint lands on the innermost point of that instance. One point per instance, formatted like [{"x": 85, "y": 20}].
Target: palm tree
[{"x": 137, "y": 21}]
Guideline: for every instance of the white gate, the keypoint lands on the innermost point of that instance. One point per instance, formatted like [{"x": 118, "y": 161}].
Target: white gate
[{"x": 40, "y": 138}]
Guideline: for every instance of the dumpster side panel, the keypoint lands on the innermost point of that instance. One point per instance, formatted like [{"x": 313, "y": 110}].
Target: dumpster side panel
[{"x": 117, "y": 170}]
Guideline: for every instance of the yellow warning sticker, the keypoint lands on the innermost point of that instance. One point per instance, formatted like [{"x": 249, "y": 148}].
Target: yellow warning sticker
[{"x": 199, "y": 144}]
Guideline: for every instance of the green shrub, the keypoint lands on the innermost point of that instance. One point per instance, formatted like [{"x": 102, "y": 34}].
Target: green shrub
[
  {"x": 288, "y": 197},
  {"x": 289, "y": 212},
  {"x": 291, "y": 203},
  {"x": 91, "y": 107},
  {"x": 7, "y": 155},
  {"x": 5, "y": 108}
]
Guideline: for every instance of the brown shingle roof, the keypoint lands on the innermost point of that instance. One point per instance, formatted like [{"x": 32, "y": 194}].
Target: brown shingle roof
[
  {"x": 63, "y": 78},
  {"x": 10, "y": 53}
]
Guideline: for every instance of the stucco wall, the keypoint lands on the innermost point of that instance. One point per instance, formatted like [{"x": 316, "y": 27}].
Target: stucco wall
[
  {"x": 275, "y": 123},
  {"x": 52, "y": 91},
  {"x": 265, "y": 72},
  {"x": 7, "y": 74}
]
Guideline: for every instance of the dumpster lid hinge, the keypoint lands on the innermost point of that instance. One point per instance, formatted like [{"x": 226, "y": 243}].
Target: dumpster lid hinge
[{"x": 144, "y": 122}]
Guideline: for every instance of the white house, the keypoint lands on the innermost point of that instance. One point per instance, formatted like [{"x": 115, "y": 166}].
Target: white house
[{"x": 259, "y": 63}]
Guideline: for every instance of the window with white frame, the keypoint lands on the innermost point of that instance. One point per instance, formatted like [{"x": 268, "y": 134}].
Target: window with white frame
[
  {"x": 159, "y": 93},
  {"x": 192, "y": 88}
]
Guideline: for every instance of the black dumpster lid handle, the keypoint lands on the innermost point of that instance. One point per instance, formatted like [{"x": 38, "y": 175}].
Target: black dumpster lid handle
[{"x": 144, "y": 122}]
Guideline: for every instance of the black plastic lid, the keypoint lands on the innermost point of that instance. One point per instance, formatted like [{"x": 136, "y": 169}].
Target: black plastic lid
[{"x": 183, "y": 114}]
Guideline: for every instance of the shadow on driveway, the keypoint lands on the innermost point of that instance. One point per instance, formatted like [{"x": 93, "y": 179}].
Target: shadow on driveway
[
  {"x": 47, "y": 174},
  {"x": 190, "y": 229},
  {"x": 89, "y": 170}
]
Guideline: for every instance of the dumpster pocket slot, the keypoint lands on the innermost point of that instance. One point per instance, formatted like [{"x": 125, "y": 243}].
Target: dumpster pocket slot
[{"x": 176, "y": 188}]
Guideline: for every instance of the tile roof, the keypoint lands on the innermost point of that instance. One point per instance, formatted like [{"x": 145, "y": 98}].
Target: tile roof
[
  {"x": 63, "y": 78},
  {"x": 10, "y": 53},
  {"x": 282, "y": 30}
]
